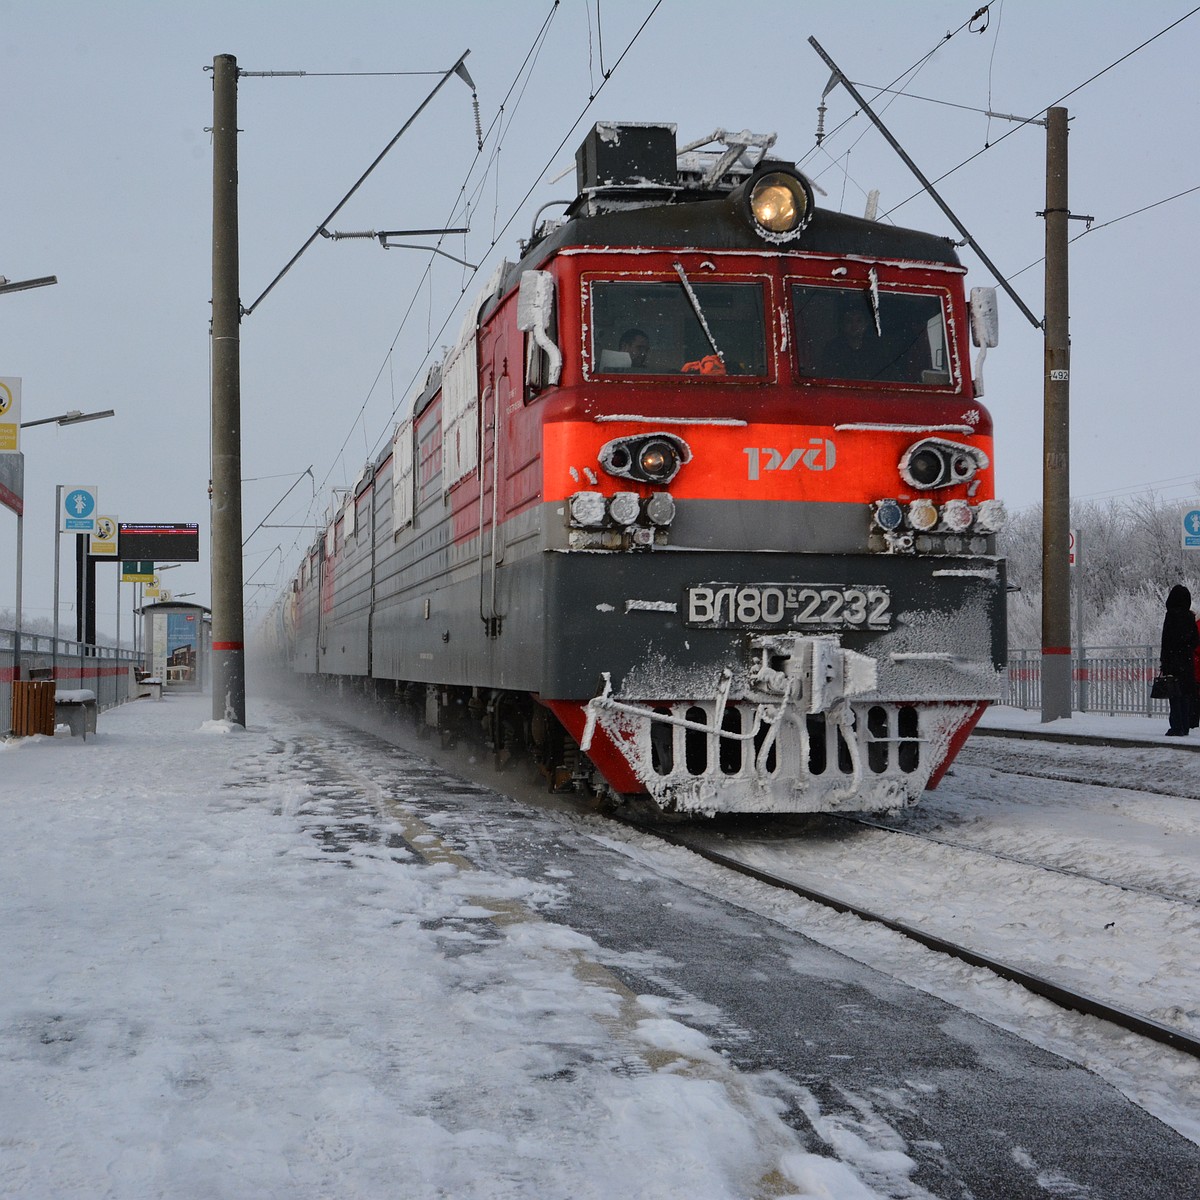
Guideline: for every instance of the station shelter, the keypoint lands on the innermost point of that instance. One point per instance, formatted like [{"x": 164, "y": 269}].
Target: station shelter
[{"x": 177, "y": 644}]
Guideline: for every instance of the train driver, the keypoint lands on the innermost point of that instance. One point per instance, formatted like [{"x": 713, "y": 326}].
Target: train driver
[{"x": 636, "y": 344}]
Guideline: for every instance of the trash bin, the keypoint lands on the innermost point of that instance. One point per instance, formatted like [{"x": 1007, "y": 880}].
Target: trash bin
[{"x": 32, "y": 707}]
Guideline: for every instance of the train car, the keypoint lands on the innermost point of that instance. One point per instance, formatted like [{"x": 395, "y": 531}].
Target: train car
[{"x": 700, "y": 505}]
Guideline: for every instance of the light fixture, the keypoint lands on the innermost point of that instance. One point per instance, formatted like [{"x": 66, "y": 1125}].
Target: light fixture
[
  {"x": 648, "y": 458},
  {"x": 991, "y": 517},
  {"x": 623, "y": 508},
  {"x": 74, "y": 417},
  {"x": 889, "y": 516},
  {"x": 587, "y": 509},
  {"x": 780, "y": 204},
  {"x": 957, "y": 516},
  {"x": 922, "y": 515},
  {"x": 937, "y": 463}
]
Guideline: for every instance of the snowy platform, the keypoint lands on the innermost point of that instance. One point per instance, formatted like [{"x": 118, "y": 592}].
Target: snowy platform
[
  {"x": 1085, "y": 728},
  {"x": 299, "y": 960}
]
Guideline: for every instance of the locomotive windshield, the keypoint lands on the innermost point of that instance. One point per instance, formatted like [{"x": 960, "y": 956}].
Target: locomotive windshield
[
  {"x": 838, "y": 337},
  {"x": 677, "y": 327}
]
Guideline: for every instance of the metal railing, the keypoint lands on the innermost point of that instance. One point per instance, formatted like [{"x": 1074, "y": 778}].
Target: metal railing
[
  {"x": 1107, "y": 679},
  {"x": 104, "y": 670}
]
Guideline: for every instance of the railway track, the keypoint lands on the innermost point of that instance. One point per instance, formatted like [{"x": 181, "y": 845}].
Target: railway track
[
  {"x": 1002, "y": 856},
  {"x": 1058, "y": 993},
  {"x": 698, "y": 841}
]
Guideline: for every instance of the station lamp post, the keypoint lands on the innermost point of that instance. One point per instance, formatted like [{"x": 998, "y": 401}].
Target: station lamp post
[{"x": 23, "y": 285}]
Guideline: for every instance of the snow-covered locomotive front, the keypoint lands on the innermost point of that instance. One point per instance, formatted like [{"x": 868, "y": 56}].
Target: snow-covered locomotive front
[{"x": 705, "y": 476}]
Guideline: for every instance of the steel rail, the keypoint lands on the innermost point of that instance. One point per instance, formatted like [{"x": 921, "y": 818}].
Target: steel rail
[
  {"x": 1016, "y": 860},
  {"x": 1079, "y": 1002}
]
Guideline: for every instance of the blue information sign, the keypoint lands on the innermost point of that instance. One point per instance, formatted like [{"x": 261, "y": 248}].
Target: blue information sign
[
  {"x": 1191, "y": 529},
  {"x": 79, "y": 510}
]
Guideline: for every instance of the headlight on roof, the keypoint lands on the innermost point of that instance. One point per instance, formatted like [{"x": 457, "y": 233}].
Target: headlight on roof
[{"x": 780, "y": 204}]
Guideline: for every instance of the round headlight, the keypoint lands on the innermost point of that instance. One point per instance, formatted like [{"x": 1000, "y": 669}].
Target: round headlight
[
  {"x": 660, "y": 508},
  {"x": 780, "y": 203},
  {"x": 587, "y": 509},
  {"x": 889, "y": 516},
  {"x": 962, "y": 466},
  {"x": 658, "y": 460},
  {"x": 922, "y": 515},
  {"x": 957, "y": 516},
  {"x": 992, "y": 517},
  {"x": 926, "y": 467},
  {"x": 623, "y": 508}
]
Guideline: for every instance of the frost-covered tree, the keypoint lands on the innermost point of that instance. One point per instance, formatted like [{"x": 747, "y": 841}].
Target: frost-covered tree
[{"x": 1130, "y": 557}]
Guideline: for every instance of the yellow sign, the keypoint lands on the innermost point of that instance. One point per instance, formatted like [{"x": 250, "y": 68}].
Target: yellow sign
[
  {"x": 10, "y": 415},
  {"x": 103, "y": 542},
  {"x": 150, "y": 591}
]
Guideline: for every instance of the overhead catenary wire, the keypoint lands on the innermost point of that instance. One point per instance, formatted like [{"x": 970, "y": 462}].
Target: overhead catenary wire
[
  {"x": 1054, "y": 104},
  {"x": 1095, "y": 228},
  {"x": 457, "y": 69},
  {"x": 494, "y": 126},
  {"x": 517, "y": 209},
  {"x": 908, "y": 72},
  {"x": 307, "y": 471}
]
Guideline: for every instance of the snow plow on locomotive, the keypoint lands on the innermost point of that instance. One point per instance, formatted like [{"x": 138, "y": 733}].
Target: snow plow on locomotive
[{"x": 700, "y": 502}]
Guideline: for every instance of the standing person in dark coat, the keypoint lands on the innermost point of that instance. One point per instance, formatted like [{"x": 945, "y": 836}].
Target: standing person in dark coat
[
  {"x": 1178, "y": 657},
  {"x": 1196, "y": 694}
]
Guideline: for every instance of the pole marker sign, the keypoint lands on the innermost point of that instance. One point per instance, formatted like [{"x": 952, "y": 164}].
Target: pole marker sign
[{"x": 78, "y": 512}]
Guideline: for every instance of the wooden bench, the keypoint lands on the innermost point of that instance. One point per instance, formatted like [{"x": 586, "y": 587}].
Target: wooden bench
[{"x": 76, "y": 709}]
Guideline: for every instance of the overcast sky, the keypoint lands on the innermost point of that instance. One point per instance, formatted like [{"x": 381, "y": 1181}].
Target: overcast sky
[{"x": 108, "y": 180}]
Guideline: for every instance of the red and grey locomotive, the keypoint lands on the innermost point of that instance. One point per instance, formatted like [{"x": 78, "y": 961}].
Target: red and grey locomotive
[{"x": 701, "y": 500}]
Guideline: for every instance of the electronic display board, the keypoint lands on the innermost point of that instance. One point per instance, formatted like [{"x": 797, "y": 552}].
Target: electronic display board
[{"x": 159, "y": 542}]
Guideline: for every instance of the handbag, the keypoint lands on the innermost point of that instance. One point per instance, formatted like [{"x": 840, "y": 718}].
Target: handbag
[{"x": 1164, "y": 687}]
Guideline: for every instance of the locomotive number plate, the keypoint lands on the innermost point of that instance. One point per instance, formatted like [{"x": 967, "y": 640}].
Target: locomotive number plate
[{"x": 816, "y": 607}]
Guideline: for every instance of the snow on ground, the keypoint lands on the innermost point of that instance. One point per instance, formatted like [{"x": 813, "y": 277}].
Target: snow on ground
[
  {"x": 200, "y": 1001},
  {"x": 1124, "y": 946},
  {"x": 1138, "y": 950}
]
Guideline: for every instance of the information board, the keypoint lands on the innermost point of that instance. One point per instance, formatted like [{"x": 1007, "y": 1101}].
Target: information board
[{"x": 160, "y": 542}]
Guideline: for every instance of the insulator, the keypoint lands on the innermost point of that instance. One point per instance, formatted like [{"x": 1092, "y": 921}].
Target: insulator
[
  {"x": 478, "y": 126},
  {"x": 820, "y": 122}
]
